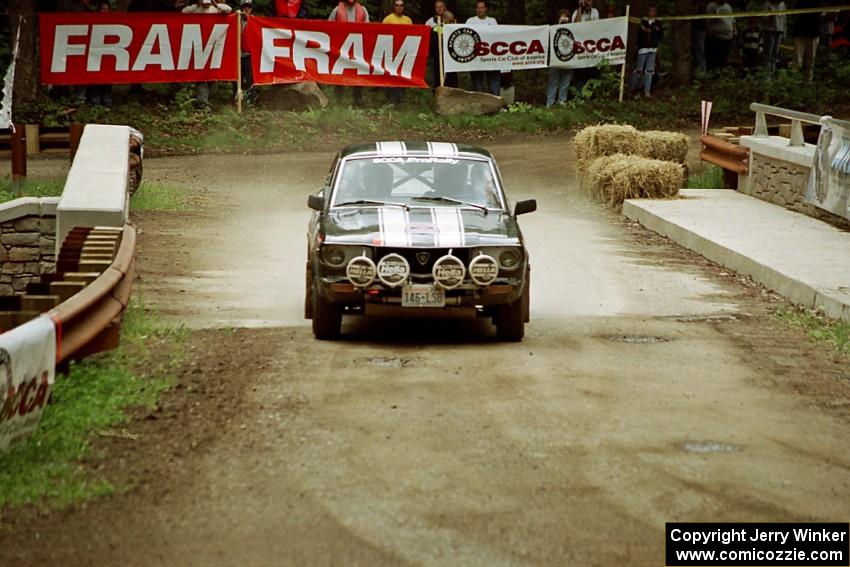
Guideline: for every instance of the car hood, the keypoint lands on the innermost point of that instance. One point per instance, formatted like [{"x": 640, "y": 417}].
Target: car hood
[{"x": 419, "y": 227}]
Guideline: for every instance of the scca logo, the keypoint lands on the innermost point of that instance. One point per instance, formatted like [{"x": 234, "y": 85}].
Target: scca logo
[
  {"x": 514, "y": 48},
  {"x": 601, "y": 45},
  {"x": 465, "y": 45}
]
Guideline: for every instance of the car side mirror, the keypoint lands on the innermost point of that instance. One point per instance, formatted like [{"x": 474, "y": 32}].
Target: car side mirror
[
  {"x": 316, "y": 202},
  {"x": 527, "y": 206}
]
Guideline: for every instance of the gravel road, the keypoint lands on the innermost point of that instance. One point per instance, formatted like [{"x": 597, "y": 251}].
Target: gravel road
[{"x": 651, "y": 387}]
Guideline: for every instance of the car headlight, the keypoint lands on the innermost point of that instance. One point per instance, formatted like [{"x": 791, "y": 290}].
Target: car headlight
[
  {"x": 510, "y": 259},
  {"x": 334, "y": 255}
]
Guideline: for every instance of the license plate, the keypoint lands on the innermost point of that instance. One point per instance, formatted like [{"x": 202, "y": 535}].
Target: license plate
[{"x": 423, "y": 296}]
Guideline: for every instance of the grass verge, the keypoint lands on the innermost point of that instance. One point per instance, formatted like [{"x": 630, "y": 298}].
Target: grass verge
[
  {"x": 158, "y": 197},
  {"x": 46, "y": 471},
  {"x": 711, "y": 177},
  {"x": 819, "y": 327},
  {"x": 31, "y": 188}
]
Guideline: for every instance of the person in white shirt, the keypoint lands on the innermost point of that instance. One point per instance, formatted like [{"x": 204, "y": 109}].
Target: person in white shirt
[
  {"x": 484, "y": 81},
  {"x": 434, "y": 22},
  {"x": 585, "y": 12},
  {"x": 202, "y": 89}
]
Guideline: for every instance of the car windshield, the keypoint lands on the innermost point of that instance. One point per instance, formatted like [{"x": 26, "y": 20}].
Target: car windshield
[{"x": 418, "y": 181}]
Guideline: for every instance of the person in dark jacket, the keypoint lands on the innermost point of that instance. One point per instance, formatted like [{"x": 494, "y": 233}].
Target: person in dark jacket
[
  {"x": 806, "y": 34},
  {"x": 648, "y": 38}
]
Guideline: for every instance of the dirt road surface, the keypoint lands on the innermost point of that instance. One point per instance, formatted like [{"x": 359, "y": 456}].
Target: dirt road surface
[{"x": 651, "y": 387}]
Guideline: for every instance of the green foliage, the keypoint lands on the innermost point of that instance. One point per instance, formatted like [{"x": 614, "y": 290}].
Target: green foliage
[
  {"x": 158, "y": 197},
  {"x": 819, "y": 327},
  {"x": 93, "y": 398},
  {"x": 709, "y": 177}
]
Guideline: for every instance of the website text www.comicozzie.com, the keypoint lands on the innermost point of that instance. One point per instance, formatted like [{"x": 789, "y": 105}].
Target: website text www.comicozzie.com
[
  {"x": 741, "y": 544},
  {"x": 775, "y": 556}
]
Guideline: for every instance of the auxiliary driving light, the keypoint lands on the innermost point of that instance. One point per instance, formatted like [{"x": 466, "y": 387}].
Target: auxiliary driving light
[
  {"x": 483, "y": 269},
  {"x": 393, "y": 270},
  {"x": 361, "y": 271},
  {"x": 449, "y": 271}
]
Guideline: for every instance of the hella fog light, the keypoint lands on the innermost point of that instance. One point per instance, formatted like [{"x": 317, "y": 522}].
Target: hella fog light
[
  {"x": 361, "y": 271},
  {"x": 483, "y": 269},
  {"x": 393, "y": 270},
  {"x": 449, "y": 271}
]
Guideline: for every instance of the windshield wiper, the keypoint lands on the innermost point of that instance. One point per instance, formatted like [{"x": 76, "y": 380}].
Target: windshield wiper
[
  {"x": 450, "y": 200},
  {"x": 371, "y": 202}
]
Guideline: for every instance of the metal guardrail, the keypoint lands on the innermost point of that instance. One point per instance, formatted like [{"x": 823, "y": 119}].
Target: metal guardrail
[
  {"x": 796, "y": 117},
  {"x": 89, "y": 321},
  {"x": 732, "y": 158}
]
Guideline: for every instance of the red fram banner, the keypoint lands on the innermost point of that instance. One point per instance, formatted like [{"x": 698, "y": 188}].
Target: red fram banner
[
  {"x": 88, "y": 49},
  {"x": 371, "y": 55}
]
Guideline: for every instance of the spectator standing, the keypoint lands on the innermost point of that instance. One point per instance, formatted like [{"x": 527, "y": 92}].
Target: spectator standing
[
  {"x": 101, "y": 94},
  {"x": 720, "y": 33},
  {"x": 435, "y": 22},
  {"x": 247, "y": 8},
  {"x": 585, "y": 13},
  {"x": 648, "y": 39},
  {"x": 773, "y": 28},
  {"x": 751, "y": 45},
  {"x": 559, "y": 79},
  {"x": 484, "y": 81},
  {"x": 698, "y": 33},
  {"x": 396, "y": 17},
  {"x": 806, "y": 34},
  {"x": 290, "y": 9},
  {"x": 350, "y": 11},
  {"x": 202, "y": 89}
]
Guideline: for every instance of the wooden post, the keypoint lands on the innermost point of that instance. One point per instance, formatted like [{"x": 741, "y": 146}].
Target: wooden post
[
  {"x": 31, "y": 135},
  {"x": 623, "y": 68},
  {"x": 19, "y": 157},
  {"x": 75, "y": 132},
  {"x": 239, "y": 61},
  {"x": 440, "y": 50}
]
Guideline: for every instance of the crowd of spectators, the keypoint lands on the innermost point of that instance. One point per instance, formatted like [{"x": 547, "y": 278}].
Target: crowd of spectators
[{"x": 713, "y": 41}]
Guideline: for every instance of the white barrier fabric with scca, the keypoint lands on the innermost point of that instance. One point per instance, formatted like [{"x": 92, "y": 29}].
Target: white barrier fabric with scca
[
  {"x": 494, "y": 48},
  {"x": 27, "y": 371},
  {"x": 513, "y": 48},
  {"x": 586, "y": 44}
]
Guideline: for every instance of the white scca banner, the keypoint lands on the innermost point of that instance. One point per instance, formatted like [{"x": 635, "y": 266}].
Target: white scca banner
[
  {"x": 585, "y": 44},
  {"x": 27, "y": 370},
  {"x": 494, "y": 48},
  {"x": 829, "y": 182}
]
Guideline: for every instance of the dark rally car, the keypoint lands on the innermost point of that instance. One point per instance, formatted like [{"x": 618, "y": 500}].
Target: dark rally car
[{"x": 416, "y": 229}]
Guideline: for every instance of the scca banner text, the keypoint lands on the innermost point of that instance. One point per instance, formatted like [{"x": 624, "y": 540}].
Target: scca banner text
[
  {"x": 88, "y": 49},
  {"x": 373, "y": 55}
]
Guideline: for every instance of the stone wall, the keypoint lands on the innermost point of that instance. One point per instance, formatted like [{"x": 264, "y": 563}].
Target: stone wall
[
  {"x": 27, "y": 243},
  {"x": 783, "y": 181}
]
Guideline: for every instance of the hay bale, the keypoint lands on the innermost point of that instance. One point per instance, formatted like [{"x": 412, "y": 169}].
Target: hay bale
[
  {"x": 666, "y": 146},
  {"x": 613, "y": 179},
  {"x": 604, "y": 140}
]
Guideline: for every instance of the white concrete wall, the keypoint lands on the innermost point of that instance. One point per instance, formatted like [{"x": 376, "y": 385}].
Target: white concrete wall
[{"x": 96, "y": 190}]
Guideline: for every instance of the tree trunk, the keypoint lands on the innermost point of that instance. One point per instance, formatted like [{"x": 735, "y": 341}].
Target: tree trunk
[
  {"x": 26, "y": 69},
  {"x": 516, "y": 12},
  {"x": 680, "y": 59}
]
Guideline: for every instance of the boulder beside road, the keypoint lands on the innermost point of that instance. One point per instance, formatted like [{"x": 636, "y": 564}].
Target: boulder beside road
[
  {"x": 450, "y": 102},
  {"x": 297, "y": 96}
]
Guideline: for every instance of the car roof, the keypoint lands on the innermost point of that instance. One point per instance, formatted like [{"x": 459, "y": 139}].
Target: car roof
[{"x": 432, "y": 149}]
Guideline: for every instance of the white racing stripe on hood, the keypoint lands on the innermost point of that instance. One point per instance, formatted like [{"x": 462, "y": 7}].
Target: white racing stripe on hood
[
  {"x": 393, "y": 222},
  {"x": 450, "y": 231}
]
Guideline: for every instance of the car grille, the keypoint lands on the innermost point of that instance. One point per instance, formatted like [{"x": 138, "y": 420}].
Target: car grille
[{"x": 416, "y": 267}]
